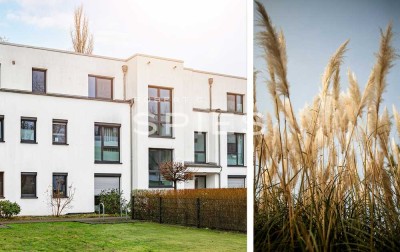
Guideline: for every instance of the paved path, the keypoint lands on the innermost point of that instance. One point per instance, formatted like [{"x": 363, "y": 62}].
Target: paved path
[{"x": 93, "y": 220}]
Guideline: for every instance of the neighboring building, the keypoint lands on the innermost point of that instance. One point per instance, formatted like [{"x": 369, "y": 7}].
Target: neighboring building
[{"x": 99, "y": 123}]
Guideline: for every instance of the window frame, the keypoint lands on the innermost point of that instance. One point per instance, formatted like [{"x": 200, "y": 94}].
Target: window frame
[
  {"x": 95, "y": 86},
  {"x": 30, "y": 119},
  {"x": 45, "y": 79},
  {"x": 108, "y": 125},
  {"x": 66, "y": 184},
  {"x": 2, "y": 129},
  {"x": 60, "y": 121},
  {"x": 205, "y": 181},
  {"x": 236, "y": 105},
  {"x": 244, "y": 177},
  {"x": 159, "y": 173},
  {"x": 1, "y": 185},
  {"x": 159, "y": 100},
  {"x": 237, "y": 150},
  {"x": 204, "y": 134},
  {"x": 29, "y": 196}
]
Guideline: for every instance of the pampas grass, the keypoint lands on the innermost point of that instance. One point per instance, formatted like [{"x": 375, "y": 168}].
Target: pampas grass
[{"x": 329, "y": 178}]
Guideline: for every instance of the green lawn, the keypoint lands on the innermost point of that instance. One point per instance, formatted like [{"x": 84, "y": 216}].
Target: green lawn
[{"x": 138, "y": 236}]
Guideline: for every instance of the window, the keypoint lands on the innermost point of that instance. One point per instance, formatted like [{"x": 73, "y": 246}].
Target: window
[
  {"x": 39, "y": 81},
  {"x": 235, "y": 149},
  {"x": 236, "y": 181},
  {"x": 60, "y": 131},
  {"x": 105, "y": 182},
  {"x": 235, "y": 103},
  {"x": 28, "y": 130},
  {"x": 1, "y": 128},
  {"x": 28, "y": 185},
  {"x": 100, "y": 87},
  {"x": 200, "y": 182},
  {"x": 106, "y": 143},
  {"x": 1, "y": 184},
  {"x": 156, "y": 158},
  {"x": 160, "y": 112},
  {"x": 60, "y": 185},
  {"x": 200, "y": 147}
]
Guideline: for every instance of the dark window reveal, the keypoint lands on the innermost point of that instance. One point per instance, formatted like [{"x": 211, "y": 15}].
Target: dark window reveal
[
  {"x": 235, "y": 103},
  {"x": 199, "y": 147},
  {"x": 156, "y": 158},
  {"x": 60, "y": 131},
  {"x": 60, "y": 185},
  {"x": 28, "y": 185},
  {"x": 100, "y": 87},
  {"x": 1, "y": 128},
  {"x": 106, "y": 143},
  {"x": 39, "y": 81},
  {"x": 235, "y": 149},
  {"x": 28, "y": 130},
  {"x": 1, "y": 184},
  {"x": 160, "y": 111}
]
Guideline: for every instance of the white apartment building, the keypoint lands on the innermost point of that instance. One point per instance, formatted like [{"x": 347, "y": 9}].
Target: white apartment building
[{"x": 92, "y": 123}]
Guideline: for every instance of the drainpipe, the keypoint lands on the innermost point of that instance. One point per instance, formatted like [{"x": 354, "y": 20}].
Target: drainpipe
[
  {"x": 130, "y": 140},
  {"x": 219, "y": 146},
  {"x": 124, "y": 70},
  {"x": 210, "y": 82}
]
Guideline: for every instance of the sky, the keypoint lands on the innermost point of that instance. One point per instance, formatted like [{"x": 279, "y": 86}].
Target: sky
[
  {"x": 314, "y": 30},
  {"x": 207, "y": 35}
]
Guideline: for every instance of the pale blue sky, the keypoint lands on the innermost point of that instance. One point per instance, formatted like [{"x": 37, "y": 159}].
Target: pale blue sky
[
  {"x": 315, "y": 29},
  {"x": 208, "y": 35}
]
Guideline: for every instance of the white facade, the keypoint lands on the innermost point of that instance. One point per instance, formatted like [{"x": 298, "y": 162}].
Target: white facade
[{"x": 66, "y": 98}]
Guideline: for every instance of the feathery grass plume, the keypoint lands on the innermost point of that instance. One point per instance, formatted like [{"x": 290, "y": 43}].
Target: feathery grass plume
[
  {"x": 396, "y": 119},
  {"x": 354, "y": 89}
]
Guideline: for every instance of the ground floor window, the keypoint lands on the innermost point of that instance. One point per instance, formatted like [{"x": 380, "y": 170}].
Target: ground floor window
[
  {"x": 105, "y": 183},
  {"x": 28, "y": 184},
  {"x": 60, "y": 185},
  {"x": 200, "y": 182},
  {"x": 236, "y": 181},
  {"x": 156, "y": 158},
  {"x": 1, "y": 184}
]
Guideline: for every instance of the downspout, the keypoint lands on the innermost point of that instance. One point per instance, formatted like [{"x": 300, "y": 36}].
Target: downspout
[
  {"x": 210, "y": 82},
  {"x": 219, "y": 146},
  {"x": 124, "y": 70},
  {"x": 131, "y": 142}
]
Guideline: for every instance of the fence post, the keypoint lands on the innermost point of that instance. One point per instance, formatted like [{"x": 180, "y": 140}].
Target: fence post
[
  {"x": 198, "y": 212},
  {"x": 160, "y": 210},
  {"x": 133, "y": 207}
]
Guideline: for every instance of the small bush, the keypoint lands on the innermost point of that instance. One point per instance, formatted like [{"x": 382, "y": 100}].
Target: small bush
[
  {"x": 8, "y": 209},
  {"x": 111, "y": 200}
]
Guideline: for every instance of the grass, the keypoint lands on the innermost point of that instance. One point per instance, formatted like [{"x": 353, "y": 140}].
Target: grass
[{"x": 138, "y": 236}]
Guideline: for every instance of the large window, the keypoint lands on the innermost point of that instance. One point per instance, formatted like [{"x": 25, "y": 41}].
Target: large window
[
  {"x": 60, "y": 131},
  {"x": 160, "y": 112},
  {"x": 39, "y": 81},
  {"x": 100, "y": 87},
  {"x": 235, "y": 103},
  {"x": 200, "y": 147},
  {"x": 156, "y": 158},
  {"x": 28, "y": 185},
  {"x": 1, "y": 128},
  {"x": 28, "y": 130},
  {"x": 236, "y": 181},
  {"x": 200, "y": 182},
  {"x": 60, "y": 185},
  {"x": 235, "y": 149},
  {"x": 106, "y": 143},
  {"x": 1, "y": 184}
]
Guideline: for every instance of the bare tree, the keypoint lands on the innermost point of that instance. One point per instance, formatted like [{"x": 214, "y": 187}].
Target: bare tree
[
  {"x": 81, "y": 39},
  {"x": 175, "y": 172},
  {"x": 60, "y": 197}
]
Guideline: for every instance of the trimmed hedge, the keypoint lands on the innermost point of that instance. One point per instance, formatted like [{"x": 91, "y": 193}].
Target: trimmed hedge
[
  {"x": 206, "y": 208},
  {"x": 8, "y": 209}
]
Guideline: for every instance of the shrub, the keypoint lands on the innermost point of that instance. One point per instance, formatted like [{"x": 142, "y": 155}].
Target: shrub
[
  {"x": 8, "y": 209},
  {"x": 111, "y": 200}
]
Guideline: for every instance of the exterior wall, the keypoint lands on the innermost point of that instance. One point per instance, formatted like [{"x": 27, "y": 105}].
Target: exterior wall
[
  {"x": 76, "y": 158},
  {"x": 67, "y": 74}
]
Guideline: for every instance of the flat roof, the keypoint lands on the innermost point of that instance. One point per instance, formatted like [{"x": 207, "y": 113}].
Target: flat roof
[{"x": 117, "y": 59}]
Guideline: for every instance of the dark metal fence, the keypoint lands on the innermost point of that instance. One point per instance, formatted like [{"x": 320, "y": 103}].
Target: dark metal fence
[{"x": 226, "y": 214}]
